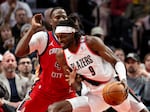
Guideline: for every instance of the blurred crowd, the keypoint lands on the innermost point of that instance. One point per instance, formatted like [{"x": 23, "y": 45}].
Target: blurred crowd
[{"x": 123, "y": 25}]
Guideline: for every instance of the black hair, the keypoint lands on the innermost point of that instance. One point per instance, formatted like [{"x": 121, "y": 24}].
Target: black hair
[
  {"x": 22, "y": 58},
  {"x": 76, "y": 17},
  {"x": 18, "y": 9},
  {"x": 55, "y": 8},
  {"x": 71, "y": 23},
  {"x": 68, "y": 22}
]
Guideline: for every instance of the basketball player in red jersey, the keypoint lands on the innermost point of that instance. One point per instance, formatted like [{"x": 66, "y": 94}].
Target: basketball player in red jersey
[
  {"x": 51, "y": 86},
  {"x": 97, "y": 64}
]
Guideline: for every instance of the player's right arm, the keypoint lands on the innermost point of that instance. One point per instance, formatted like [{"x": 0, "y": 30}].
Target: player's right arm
[
  {"x": 98, "y": 46},
  {"x": 22, "y": 48}
]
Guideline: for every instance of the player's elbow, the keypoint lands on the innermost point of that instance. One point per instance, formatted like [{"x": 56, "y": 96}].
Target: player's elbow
[
  {"x": 17, "y": 53},
  {"x": 20, "y": 53}
]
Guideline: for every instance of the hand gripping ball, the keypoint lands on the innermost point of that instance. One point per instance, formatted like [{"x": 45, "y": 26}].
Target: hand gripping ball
[{"x": 114, "y": 93}]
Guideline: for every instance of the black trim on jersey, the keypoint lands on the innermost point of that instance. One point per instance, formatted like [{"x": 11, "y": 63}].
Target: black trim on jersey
[
  {"x": 46, "y": 45},
  {"x": 55, "y": 37},
  {"x": 93, "y": 82},
  {"x": 132, "y": 94},
  {"x": 40, "y": 69}
]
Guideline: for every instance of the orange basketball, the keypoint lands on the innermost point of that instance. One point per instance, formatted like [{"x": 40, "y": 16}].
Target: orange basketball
[{"x": 114, "y": 93}]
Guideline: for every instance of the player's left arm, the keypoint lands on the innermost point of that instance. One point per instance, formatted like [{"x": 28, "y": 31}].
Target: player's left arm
[
  {"x": 98, "y": 47},
  {"x": 71, "y": 76}
]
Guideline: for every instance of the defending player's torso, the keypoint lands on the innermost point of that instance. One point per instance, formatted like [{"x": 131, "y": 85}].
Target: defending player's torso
[
  {"x": 89, "y": 64},
  {"x": 51, "y": 75}
]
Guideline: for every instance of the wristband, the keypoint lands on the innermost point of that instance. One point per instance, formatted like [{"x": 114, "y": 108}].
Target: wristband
[{"x": 121, "y": 70}]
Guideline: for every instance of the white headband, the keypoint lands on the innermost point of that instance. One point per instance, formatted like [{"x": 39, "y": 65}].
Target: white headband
[{"x": 64, "y": 29}]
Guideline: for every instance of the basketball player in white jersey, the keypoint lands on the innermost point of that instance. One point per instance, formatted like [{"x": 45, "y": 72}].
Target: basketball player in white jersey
[{"x": 97, "y": 65}]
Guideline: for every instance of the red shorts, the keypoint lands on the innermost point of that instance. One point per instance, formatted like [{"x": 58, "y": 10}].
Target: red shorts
[{"x": 38, "y": 100}]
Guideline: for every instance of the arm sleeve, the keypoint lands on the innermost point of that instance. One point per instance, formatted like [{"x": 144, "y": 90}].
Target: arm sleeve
[
  {"x": 121, "y": 70},
  {"x": 38, "y": 42}
]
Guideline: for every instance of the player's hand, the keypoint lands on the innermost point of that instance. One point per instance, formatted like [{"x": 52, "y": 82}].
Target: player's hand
[
  {"x": 124, "y": 83},
  {"x": 70, "y": 77},
  {"x": 36, "y": 21}
]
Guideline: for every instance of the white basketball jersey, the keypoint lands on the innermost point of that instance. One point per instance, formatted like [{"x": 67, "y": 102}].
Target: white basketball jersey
[{"x": 88, "y": 63}]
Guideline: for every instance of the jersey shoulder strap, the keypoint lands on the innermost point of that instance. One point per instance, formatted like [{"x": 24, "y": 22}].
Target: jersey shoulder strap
[{"x": 82, "y": 39}]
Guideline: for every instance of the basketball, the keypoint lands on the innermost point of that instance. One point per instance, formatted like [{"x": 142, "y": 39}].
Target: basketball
[{"x": 114, "y": 93}]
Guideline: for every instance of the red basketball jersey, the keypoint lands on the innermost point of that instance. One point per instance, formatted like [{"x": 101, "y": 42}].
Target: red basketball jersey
[
  {"x": 51, "y": 86},
  {"x": 51, "y": 76}
]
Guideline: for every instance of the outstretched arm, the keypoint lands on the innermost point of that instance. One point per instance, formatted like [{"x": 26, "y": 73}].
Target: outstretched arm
[{"x": 22, "y": 48}]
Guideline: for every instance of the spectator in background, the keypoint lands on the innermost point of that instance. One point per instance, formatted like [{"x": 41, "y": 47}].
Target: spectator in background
[
  {"x": 147, "y": 62},
  {"x": 137, "y": 77},
  {"x": 25, "y": 69},
  {"x": 120, "y": 54},
  {"x": 8, "y": 9},
  {"x": 16, "y": 85},
  {"x": 139, "y": 68},
  {"x": 24, "y": 29},
  {"x": 4, "y": 94},
  {"x": 6, "y": 38},
  {"x": 98, "y": 31},
  {"x": 147, "y": 85},
  {"x": 21, "y": 19}
]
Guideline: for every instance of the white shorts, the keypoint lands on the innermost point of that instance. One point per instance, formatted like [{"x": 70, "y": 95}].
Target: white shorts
[
  {"x": 80, "y": 104},
  {"x": 95, "y": 101}
]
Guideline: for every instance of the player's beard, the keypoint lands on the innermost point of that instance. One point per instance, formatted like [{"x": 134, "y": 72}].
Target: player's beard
[
  {"x": 69, "y": 44},
  {"x": 66, "y": 45}
]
